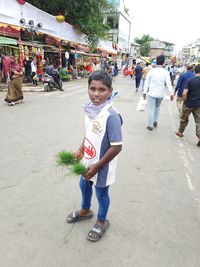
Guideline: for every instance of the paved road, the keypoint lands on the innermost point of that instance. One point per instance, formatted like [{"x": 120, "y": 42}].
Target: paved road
[{"x": 155, "y": 203}]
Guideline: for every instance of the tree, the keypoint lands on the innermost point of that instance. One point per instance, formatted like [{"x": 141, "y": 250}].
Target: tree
[
  {"x": 144, "y": 42},
  {"x": 86, "y": 15}
]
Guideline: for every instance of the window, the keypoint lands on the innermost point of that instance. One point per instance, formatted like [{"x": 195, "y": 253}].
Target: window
[{"x": 112, "y": 22}]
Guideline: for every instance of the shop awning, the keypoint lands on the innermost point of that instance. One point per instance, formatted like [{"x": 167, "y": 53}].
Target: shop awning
[{"x": 7, "y": 41}]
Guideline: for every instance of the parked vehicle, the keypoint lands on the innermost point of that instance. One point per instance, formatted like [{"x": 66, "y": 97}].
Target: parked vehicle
[{"x": 52, "y": 83}]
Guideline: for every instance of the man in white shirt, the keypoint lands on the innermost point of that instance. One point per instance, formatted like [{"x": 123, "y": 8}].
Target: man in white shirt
[{"x": 156, "y": 81}]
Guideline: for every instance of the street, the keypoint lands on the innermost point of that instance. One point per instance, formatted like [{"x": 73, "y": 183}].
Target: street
[{"x": 155, "y": 203}]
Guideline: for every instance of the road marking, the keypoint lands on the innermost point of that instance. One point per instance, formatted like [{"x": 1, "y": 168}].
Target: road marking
[
  {"x": 185, "y": 156},
  {"x": 190, "y": 155},
  {"x": 189, "y": 181}
]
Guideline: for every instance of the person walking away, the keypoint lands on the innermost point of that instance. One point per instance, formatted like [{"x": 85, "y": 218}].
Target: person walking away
[
  {"x": 27, "y": 70},
  {"x": 156, "y": 80},
  {"x": 116, "y": 69},
  {"x": 15, "y": 93},
  {"x": 138, "y": 76},
  {"x": 180, "y": 86},
  {"x": 173, "y": 72},
  {"x": 96, "y": 65},
  {"x": 101, "y": 145},
  {"x": 132, "y": 71},
  {"x": 33, "y": 72},
  {"x": 145, "y": 71},
  {"x": 191, "y": 98}
]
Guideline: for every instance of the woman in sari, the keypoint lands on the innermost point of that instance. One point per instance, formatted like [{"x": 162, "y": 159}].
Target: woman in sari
[{"x": 15, "y": 93}]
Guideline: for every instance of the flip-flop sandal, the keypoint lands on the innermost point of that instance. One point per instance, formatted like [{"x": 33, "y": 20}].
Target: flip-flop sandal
[
  {"x": 75, "y": 217},
  {"x": 97, "y": 232},
  {"x": 179, "y": 134}
]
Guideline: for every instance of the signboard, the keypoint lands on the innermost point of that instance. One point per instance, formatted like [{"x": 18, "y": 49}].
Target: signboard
[
  {"x": 52, "y": 41},
  {"x": 7, "y": 30}
]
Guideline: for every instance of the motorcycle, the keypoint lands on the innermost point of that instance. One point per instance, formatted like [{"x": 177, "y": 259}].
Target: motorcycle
[{"x": 52, "y": 83}]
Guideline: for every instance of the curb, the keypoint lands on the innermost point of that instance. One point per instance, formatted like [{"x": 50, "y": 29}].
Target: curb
[{"x": 25, "y": 90}]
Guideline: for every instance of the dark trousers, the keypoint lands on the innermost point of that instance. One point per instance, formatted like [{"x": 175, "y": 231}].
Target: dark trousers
[
  {"x": 137, "y": 82},
  {"x": 33, "y": 80},
  {"x": 185, "y": 119}
]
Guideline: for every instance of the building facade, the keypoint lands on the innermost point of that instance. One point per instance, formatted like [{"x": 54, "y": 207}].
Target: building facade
[
  {"x": 191, "y": 52},
  {"x": 120, "y": 32},
  {"x": 158, "y": 47}
]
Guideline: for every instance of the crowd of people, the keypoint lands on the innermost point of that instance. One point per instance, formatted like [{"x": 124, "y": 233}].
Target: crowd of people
[
  {"x": 181, "y": 81},
  {"x": 28, "y": 73}
]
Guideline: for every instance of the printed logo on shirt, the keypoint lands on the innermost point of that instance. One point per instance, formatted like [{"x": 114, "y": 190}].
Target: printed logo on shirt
[
  {"x": 89, "y": 150},
  {"x": 96, "y": 127}
]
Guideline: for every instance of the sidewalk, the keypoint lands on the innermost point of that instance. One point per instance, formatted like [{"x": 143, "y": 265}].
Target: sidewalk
[{"x": 28, "y": 87}]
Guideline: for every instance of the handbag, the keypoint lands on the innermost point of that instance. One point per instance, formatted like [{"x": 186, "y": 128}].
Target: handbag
[{"x": 141, "y": 104}]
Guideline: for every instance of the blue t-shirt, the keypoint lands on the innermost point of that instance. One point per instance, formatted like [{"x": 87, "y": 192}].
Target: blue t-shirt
[{"x": 193, "y": 95}]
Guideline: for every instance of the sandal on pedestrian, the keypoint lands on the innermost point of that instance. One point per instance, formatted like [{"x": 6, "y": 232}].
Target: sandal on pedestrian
[
  {"x": 97, "y": 232},
  {"x": 179, "y": 134},
  {"x": 75, "y": 217},
  {"x": 198, "y": 143}
]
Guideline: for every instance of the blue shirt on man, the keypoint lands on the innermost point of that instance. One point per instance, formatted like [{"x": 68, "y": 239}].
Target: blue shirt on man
[
  {"x": 193, "y": 94},
  {"x": 182, "y": 81}
]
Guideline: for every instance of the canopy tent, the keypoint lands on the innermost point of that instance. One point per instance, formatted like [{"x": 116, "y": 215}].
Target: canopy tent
[
  {"x": 11, "y": 12},
  {"x": 107, "y": 46}
]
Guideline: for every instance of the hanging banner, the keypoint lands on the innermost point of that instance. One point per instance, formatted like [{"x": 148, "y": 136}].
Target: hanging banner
[{"x": 8, "y": 30}]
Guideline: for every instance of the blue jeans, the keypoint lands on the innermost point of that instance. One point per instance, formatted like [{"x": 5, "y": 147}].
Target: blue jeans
[
  {"x": 142, "y": 83},
  {"x": 153, "y": 109},
  {"x": 102, "y": 197}
]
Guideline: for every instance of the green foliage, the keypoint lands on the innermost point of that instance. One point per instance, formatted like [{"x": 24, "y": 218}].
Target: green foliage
[
  {"x": 144, "y": 41},
  {"x": 65, "y": 158},
  {"x": 86, "y": 15},
  {"x": 78, "y": 169}
]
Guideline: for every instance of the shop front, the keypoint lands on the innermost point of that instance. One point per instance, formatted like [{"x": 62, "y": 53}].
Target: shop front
[{"x": 9, "y": 35}]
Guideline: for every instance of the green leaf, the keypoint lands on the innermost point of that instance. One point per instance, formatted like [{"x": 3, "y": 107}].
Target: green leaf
[
  {"x": 78, "y": 169},
  {"x": 65, "y": 158}
]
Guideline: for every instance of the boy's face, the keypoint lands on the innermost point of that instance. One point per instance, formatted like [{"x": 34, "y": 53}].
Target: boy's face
[{"x": 98, "y": 92}]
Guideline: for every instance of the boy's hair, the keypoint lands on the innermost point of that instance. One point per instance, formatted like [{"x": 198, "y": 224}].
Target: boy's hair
[
  {"x": 197, "y": 68},
  {"x": 100, "y": 75},
  {"x": 160, "y": 60}
]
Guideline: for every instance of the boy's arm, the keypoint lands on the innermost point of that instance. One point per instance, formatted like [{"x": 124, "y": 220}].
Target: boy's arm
[
  {"x": 109, "y": 155},
  {"x": 80, "y": 152}
]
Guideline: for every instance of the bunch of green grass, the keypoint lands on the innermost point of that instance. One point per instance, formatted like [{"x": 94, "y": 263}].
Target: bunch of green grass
[
  {"x": 65, "y": 158},
  {"x": 78, "y": 169}
]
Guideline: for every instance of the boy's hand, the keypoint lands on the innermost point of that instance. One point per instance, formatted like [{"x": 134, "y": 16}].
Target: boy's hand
[
  {"x": 92, "y": 170},
  {"x": 78, "y": 154}
]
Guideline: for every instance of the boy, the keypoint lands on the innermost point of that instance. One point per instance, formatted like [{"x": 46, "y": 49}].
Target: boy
[{"x": 102, "y": 143}]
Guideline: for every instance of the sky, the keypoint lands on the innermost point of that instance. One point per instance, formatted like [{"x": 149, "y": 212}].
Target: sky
[{"x": 175, "y": 21}]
